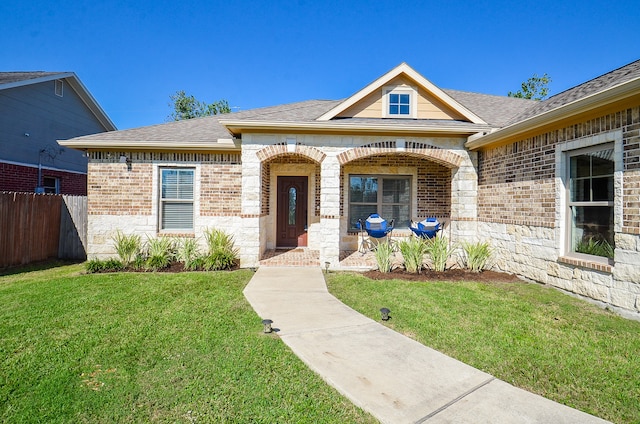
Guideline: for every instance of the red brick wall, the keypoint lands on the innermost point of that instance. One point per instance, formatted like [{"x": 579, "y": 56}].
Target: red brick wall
[{"x": 25, "y": 179}]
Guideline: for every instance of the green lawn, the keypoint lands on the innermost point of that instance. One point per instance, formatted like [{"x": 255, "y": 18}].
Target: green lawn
[
  {"x": 526, "y": 334},
  {"x": 149, "y": 347}
]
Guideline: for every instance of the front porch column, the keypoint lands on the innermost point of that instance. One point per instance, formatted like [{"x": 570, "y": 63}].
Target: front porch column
[
  {"x": 330, "y": 210},
  {"x": 250, "y": 240},
  {"x": 464, "y": 200}
]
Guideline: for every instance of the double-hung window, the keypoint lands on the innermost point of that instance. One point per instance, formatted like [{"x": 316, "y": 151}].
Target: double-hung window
[
  {"x": 591, "y": 198},
  {"x": 176, "y": 199},
  {"x": 387, "y": 195}
]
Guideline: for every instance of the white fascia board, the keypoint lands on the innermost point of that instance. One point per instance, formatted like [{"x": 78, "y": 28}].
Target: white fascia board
[
  {"x": 336, "y": 126},
  {"x": 222, "y": 144},
  {"x": 585, "y": 104}
]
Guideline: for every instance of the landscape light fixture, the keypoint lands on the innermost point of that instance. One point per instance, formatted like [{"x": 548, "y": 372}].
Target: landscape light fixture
[
  {"x": 385, "y": 313},
  {"x": 267, "y": 325},
  {"x": 326, "y": 267}
]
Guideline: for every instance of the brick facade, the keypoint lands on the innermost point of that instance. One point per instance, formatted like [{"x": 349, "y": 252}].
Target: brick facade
[
  {"x": 289, "y": 159},
  {"x": 520, "y": 198},
  {"x": 433, "y": 182},
  {"x": 19, "y": 178},
  {"x": 512, "y": 177}
]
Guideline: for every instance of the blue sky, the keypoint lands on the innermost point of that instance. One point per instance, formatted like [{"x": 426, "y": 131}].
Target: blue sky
[{"x": 132, "y": 55}]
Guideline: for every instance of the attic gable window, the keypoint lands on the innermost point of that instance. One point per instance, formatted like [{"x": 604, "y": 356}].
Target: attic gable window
[{"x": 399, "y": 102}]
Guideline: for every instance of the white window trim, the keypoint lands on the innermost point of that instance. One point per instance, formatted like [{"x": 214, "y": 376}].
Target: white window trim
[
  {"x": 157, "y": 193},
  {"x": 56, "y": 186},
  {"x": 400, "y": 89},
  {"x": 562, "y": 188}
]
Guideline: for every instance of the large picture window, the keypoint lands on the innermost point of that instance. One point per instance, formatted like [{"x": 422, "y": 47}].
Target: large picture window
[
  {"x": 389, "y": 196},
  {"x": 176, "y": 199},
  {"x": 591, "y": 196}
]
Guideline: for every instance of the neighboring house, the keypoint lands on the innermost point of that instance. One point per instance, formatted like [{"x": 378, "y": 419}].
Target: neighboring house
[
  {"x": 538, "y": 180},
  {"x": 36, "y": 110}
]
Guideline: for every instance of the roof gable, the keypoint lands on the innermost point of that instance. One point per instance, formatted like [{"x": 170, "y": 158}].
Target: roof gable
[
  {"x": 10, "y": 80},
  {"x": 432, "y": 102}
]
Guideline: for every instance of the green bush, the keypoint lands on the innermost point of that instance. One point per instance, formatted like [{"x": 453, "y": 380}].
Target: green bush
[
  {"x": 593, "y": 246},
  {"x": 384, "y": 256},
  {"x": 475, "y": 255},
  {"x": 188, "y": 252},
  {"x": 94, "y": 265},
  {"x": 159, "y": 253},
  {"x": 413, "y": 250},
  {"x": 127, "y": 247},
  {"x": 439, "y": 251},
  {"x": 110, "y": 265},
  {"x": 221, "y": 252}
]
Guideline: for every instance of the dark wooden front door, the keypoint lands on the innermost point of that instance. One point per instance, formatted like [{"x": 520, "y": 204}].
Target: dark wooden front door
[{"x": 291, "y": 224}]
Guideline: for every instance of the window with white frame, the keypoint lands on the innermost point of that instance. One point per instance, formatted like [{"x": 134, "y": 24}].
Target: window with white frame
[
  {"x": 176, "y": 199},
  {"x": 591, "y": 200},
  {"x": 51, "y": 185},
  {"x": 387, "y": 195},
  {"x": 399, "y": 102}
]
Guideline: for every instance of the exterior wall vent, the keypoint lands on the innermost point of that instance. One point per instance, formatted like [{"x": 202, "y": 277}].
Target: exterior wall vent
[{"x": 59, "y": 88}]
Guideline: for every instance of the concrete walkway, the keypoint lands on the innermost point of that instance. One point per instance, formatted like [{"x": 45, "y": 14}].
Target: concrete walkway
[{"x": 396, "y": 379}]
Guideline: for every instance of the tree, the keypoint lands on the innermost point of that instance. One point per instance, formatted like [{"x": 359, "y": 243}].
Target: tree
[
  {"x": 534, "y": 88},
  {"x": 186, "y": 107}
]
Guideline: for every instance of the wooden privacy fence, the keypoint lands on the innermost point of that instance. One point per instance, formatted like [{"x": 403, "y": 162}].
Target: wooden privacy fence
[{"x": 35, "y": 227}]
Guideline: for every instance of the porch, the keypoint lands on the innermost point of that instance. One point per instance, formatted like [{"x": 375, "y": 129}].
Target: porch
[{"x": 302, "y": 256}]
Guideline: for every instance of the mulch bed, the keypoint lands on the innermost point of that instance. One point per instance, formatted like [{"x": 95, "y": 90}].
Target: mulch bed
[{"x": 485, "y": 276}]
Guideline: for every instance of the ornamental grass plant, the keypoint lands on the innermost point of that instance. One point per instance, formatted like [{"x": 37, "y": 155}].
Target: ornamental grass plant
[
  {"x": 384, "y": 256},
  {"x": 127, "y": 247},
  {"x": 221, "y": 253},
  {"x": 439, "y": 250},
  {"x": 413, "y": 250},
  {"x": 475, "y": 255}
]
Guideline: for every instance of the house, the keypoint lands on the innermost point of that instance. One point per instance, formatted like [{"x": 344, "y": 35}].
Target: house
[
  {"x": 554, "y": 185},
  {"x": 37, "y": 109}
]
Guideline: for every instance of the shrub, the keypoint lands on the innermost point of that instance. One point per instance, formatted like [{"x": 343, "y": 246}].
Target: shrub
[
  {"x": 221, "y": 253},
  {"x": 384, "y": 254},
  {"x": 127, "y": 247},
  {"x": 439, "y": 251},
  {"x": 113, "y": 265},
  {"x": 94, "y": 265},
  {"x": 110, "y": 265},
  {"x": 159, "y": 253},
  {"x": 188, "y": 252},
  {"x": 475, "y": 255},
  {"x": 413, "y": 250},
  {"x": 592, "y": 246}
]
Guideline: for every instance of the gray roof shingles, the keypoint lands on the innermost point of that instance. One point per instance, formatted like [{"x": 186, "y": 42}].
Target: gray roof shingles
[
  {"x": 596, "y": 85},
  {"x": 11, "y": 77},
  {"x": 497, "y": 111}
]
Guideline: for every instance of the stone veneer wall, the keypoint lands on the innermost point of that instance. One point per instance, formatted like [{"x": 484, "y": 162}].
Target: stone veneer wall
[{"x": 519, "y": 197}]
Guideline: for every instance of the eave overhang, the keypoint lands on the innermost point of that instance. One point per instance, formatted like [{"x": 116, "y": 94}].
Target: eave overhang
[
  {"x": 338, "y": 127},
  {"x": 621, "y": 94},
  {"x": 148, "y": 145}
]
